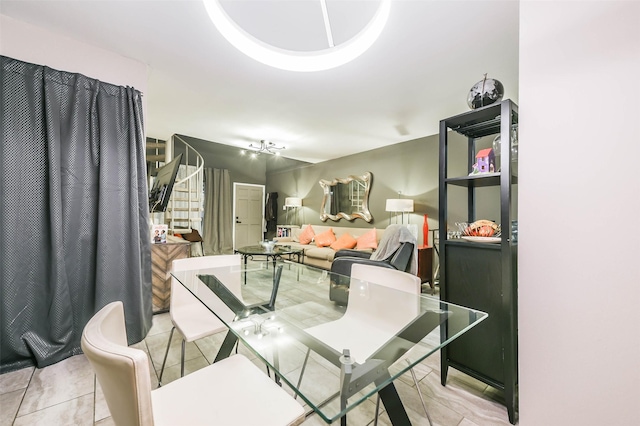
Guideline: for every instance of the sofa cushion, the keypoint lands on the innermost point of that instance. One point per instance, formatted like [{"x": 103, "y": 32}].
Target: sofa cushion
[
  {"x": 325, "y": 239},
  {"x": 324, "y": 253},
  {"x": 346, "y": 241},
  {"x": 295, "y": 234},
  {"x": 306, "y": 236},
  {"x": 368, "y": 240}
]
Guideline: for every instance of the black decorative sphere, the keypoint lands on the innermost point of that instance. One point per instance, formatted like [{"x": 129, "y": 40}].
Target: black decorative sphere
[{"x": 485, "y": 92}]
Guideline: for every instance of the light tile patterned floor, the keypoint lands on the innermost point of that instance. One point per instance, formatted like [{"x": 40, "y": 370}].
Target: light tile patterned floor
[{"x": 66, "y": 393}]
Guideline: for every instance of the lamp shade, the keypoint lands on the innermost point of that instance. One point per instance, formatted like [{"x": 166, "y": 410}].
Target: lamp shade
[
  {"x": 293, "y": 202},
  {"x": 404, "y": 205}
]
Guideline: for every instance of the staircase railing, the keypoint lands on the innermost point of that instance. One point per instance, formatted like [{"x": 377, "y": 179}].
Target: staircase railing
[{"x": 197, "y": 176}]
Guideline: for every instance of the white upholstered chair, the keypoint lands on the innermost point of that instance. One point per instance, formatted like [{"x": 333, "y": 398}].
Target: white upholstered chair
[
  {"x": 231, "y": 391},
  {"x": 188, "y": 315},
  {"x": 370, "y": 320}
]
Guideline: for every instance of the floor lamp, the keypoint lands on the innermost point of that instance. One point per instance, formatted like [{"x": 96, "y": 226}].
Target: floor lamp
[
  {"x": 402, "y": 206},
  {"x": 399, "y": 205},
  {"x": 292, "y": 203}
]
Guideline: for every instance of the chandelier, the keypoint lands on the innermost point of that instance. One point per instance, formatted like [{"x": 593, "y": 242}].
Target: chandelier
[{"x": 265, "y": 146}]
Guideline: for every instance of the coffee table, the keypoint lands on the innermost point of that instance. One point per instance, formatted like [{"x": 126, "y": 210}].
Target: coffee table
[{"x": 248, "y": 252}]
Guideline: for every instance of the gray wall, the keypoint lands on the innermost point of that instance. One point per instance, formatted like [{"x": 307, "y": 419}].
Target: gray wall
[
  {"x": 242, "y": 168},
  {"x": 217, "y": 156},
  {"x": 410, "y": 167}
]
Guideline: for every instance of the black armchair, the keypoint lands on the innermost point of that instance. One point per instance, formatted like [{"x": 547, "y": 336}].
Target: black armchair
[{"x": 401, "y": 259}]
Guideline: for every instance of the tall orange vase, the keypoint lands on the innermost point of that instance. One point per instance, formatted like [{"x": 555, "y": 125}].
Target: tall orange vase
[{"x": 425, "y": 231}]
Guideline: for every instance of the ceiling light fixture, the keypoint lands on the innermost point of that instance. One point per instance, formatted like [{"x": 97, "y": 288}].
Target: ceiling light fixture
[
  {"x": 290, "y": 60},
  {"x": 265, "y": 146}
]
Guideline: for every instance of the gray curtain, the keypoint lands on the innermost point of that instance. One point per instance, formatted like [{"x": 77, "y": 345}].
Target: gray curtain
[
  {"x": 73, "y": 211},
  {"x": 218, "y": 216}
]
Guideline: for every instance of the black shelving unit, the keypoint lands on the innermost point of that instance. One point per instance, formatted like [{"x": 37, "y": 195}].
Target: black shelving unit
[{"x": 482, "y": 275}]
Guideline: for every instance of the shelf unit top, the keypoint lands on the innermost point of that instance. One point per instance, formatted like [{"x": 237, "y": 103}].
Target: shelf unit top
[{"x": 480, "y": 122}]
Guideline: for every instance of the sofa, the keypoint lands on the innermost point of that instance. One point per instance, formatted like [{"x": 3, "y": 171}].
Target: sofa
[
  {"x": 322, "y": 257},
  {"x": 397, "y": 250}
]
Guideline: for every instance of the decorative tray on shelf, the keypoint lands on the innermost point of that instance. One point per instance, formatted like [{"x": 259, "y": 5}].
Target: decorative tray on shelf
[{"x": 481, "y": 239}]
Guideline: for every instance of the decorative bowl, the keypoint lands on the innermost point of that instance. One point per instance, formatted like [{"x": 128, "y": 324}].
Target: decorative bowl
[
  {"x": 268, "y": 245},
  {"x": 479, "y": 228}
]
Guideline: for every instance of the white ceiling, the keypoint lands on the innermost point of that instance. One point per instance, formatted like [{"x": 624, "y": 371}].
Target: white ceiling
[{"x": 420, "y": 69}]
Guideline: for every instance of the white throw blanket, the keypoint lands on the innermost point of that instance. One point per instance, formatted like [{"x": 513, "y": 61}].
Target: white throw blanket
[{"x": 391, "y": 240}]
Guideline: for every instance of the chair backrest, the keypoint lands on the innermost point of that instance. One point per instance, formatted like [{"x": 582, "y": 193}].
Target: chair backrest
[
  {"x": 181, "y": 297},
  {"x": 123, "y": 372},
  {"x": 401, "y": 259},
  {"x": 391, "y": 309},
  {"x": 203, "y": 262},
  {"x": 387, "y": 277},
  {"x": 391, "y": 241}
]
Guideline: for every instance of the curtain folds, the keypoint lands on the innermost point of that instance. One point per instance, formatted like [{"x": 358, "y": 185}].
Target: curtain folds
[
  {"x": 218, "y": 216},
  {"x": 73, "y": 211}
]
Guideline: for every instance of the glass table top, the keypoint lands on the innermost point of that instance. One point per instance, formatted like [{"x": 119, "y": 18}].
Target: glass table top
[
  {"x": 333, "y": 357},
  {"x": 274, "y": 251}
]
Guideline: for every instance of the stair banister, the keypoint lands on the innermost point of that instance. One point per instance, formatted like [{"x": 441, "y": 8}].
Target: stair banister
[{"x": 199, "y": 169}]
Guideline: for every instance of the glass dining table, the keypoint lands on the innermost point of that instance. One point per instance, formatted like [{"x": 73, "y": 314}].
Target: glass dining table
[{"x": 333, "y": 357}]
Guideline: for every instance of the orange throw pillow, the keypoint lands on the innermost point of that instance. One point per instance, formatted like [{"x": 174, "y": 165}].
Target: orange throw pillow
[
  {"x": 326, "y": 238},
  {"x": 307, "y": 235},
  {"x": 368, "y": 240},
  {"x": 346, "y": 241}
]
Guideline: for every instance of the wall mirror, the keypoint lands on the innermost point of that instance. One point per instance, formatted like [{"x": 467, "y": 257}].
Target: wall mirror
[{"x": 346, "y": 198}]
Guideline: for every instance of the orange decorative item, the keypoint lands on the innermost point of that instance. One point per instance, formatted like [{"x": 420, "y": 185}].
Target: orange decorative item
[{"x": 425, "y": 231}]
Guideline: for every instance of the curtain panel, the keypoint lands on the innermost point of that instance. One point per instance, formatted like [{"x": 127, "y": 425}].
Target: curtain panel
[
  {"x": 73, "y": 211},
  {"x": 218, "y": 215}
]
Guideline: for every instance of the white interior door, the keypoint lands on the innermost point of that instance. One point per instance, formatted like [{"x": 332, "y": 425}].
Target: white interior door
[{"x": 248, "y": 213}]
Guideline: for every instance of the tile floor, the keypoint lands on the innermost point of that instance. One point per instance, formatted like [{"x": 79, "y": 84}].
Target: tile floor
[{"x": 67, "y": 393}]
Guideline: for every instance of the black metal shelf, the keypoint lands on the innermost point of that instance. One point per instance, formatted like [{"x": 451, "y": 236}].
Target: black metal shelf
[
  {"x": 479, "y": 180},
  {"x": 482, "y": 275},
  {"x": 465, "y": 243},
  {"x": 481, "y": 122}
]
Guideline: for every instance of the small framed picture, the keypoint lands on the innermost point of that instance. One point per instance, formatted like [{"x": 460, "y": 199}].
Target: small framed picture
[{"x": 159, "y": 234}]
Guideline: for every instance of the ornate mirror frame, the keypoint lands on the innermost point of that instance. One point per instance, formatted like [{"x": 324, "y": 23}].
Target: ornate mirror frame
[{"x": 362, "y": 213}]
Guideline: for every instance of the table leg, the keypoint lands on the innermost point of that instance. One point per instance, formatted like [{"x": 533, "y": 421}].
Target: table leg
[
  {"x": 392, "y": 403},
  {"x": 275, "y": 354},
  {"x": 300, "y": 261},
  {"x": 244, "y": 257},
  {"x": 346, "y": 371},
  {"x": 229, "y": 342}
]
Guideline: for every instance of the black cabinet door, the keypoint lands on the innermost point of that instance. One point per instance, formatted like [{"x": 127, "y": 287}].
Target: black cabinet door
[{"x": 474, "y": 279}]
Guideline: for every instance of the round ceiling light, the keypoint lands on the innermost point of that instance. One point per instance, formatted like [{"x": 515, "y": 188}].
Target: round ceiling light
[{"x": 290, "y": 60}]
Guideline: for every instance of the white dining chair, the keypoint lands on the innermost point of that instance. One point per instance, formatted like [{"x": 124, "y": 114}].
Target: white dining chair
[
  {"x": 372, "y": 317},
  {"x": 190, "y": 316},
  {"x": 231, "y": 391}
]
